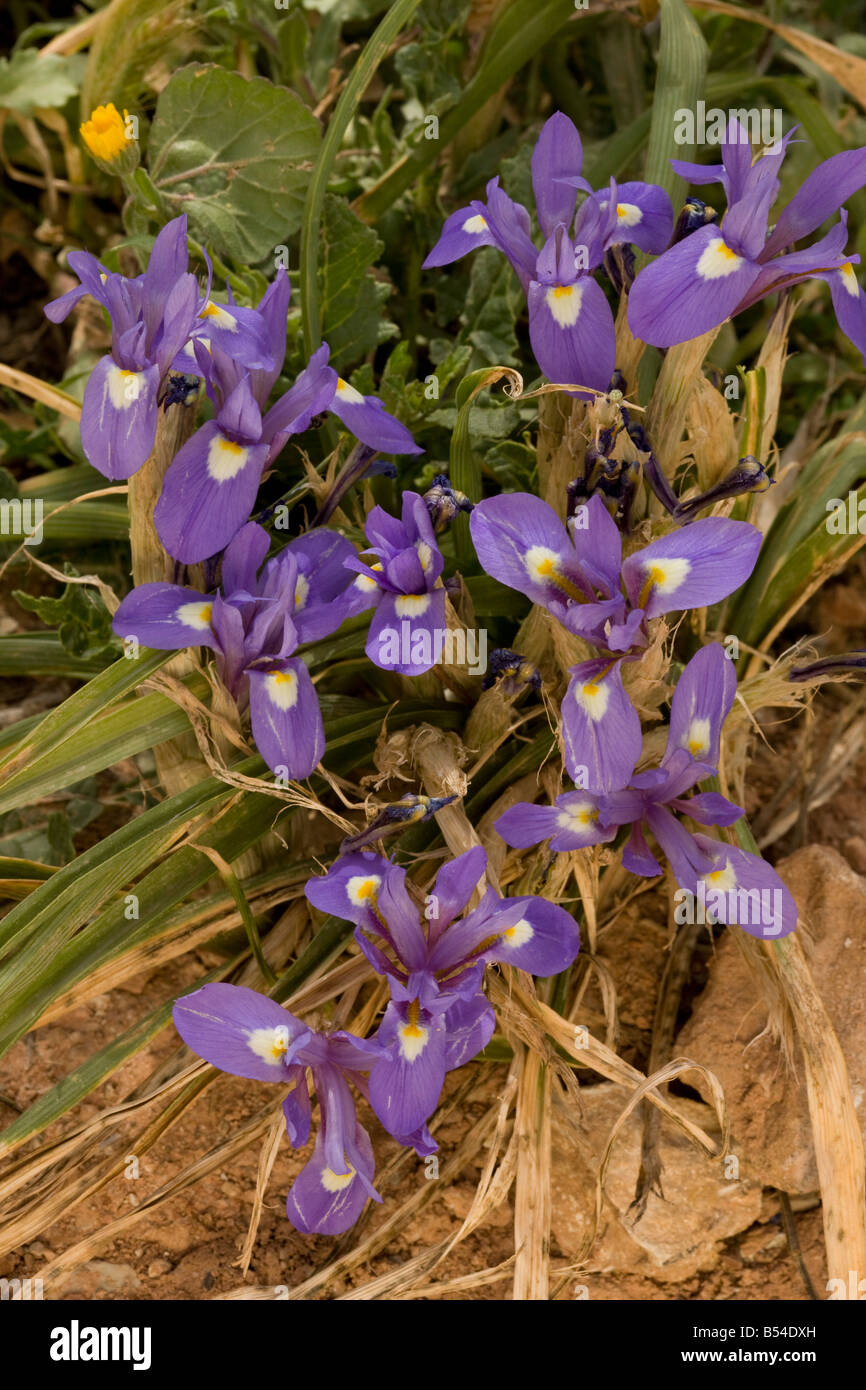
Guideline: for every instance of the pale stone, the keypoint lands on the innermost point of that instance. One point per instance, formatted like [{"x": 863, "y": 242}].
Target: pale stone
[{"x": 766, "y": 1097}]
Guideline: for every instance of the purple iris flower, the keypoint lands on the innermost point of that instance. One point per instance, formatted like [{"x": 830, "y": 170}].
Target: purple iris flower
[
  {"x": 578, "y": 575},
  {"x": 733, "y": 885},
  {"x": 720, "y": 270},
  {"x": 211, "y": 485},
  {"x": 438, "y": 1017},
  {"x": 254, "y": 625},
  {"x": 250, "y": 1035},
  {"x": 152, "y": 316},
  {"x": 571, "y": 327},
  {"x": 401, "y": 582}
]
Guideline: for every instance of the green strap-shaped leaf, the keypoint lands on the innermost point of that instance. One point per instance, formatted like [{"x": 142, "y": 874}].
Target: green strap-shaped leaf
[
  {"x": 464, "y": 465},
  {"x": 682, "y": 70},
  {"x": 68, "y": 946},
  {"x": 106, "y": 688},
  {"x": 377, "y": 46},
  {"x": 119, "y": 733},
  {"x": 521, "y": 30}
]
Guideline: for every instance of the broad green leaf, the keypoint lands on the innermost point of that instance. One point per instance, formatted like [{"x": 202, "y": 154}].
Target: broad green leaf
[
  {"x": 233, "y": 154},
  {"x": 352, "y": 300},
  {"x": 28, "y": 81},
  {"x": 73, "y": 893}
]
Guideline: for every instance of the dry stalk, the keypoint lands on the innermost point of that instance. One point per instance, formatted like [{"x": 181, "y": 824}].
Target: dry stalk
[{"x": 532, "y": 1193}]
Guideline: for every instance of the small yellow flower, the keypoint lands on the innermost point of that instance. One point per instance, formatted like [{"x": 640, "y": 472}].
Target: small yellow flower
[{"x": 105, "y": 136}]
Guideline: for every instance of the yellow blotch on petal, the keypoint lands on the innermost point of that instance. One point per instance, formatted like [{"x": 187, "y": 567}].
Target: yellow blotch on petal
[{"x": 362, "y": 889}]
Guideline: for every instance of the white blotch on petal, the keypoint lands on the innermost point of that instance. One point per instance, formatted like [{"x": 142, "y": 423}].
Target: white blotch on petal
[
  {"x": 541, "y": 563},
  {"x": 564, "y": 302},
  {"x": 722, "y": 880},
  {"x": 593, "y": 698},
  {"x": 849, "y": 279},
  {"x": 195, "y": 615},
  {"x": 474, "y": 225},
  {"x": 518, "y": 935},
  {"x": 412, "y": 1039},
  {"x": 283, "y": 689},
  {"x": 220, "y": 317},
  {"x": 412, "y": 605},
  {"x": 335, "y": 1182},
  {"x": 425, "y": 554},
  {"x": 577, "y": 816},
  {"x": 302, "y": 592},
  {"x": 225, "y": 459},
  {"x": 270, "y": 1044},
  {"x": 666, "y": 575},
  {"x": 361, "y": 888},
  {"x": 124, "y": 388},
  {"x": 697, "y": 737},
  {"x": 348, "y": 393},
  {"x": 717, "y": 261},
  {"x": 365, "y": 583},
  {"x": 628, "y": 214}
]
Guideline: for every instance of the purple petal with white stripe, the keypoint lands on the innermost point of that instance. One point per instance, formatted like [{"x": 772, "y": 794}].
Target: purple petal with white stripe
[
  {"x": 572, "y": 823},
  {"x": 749, "y": 891},
  {"x": 701, "y": 703},
  {"x": 324, "y": 1202},
  {"x": 644, "y": 216},
  {"x": 469, "y": 1025},
  {"x": 351, "y": 887},
  {"x": 571, "y": 330},
  {"x": 208, "y": 493},
  {"x": 405, "y": 1086},
  {"x": 690, "y": 289},
  {"x": 462, "y": 232},
  {"x": 166, "y": 616},
  {"x": 286, "y": 718},
  {"x": 118, "y": 417},
  {"x": 239, "y": 1031},
  {"x": 403, "y": 632},
  {"x": 601, "y": 729},
  {"x": 520, "y": 541},
  {"x": 544, "y": 940},
  {"x": 692, "y": 567}
]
